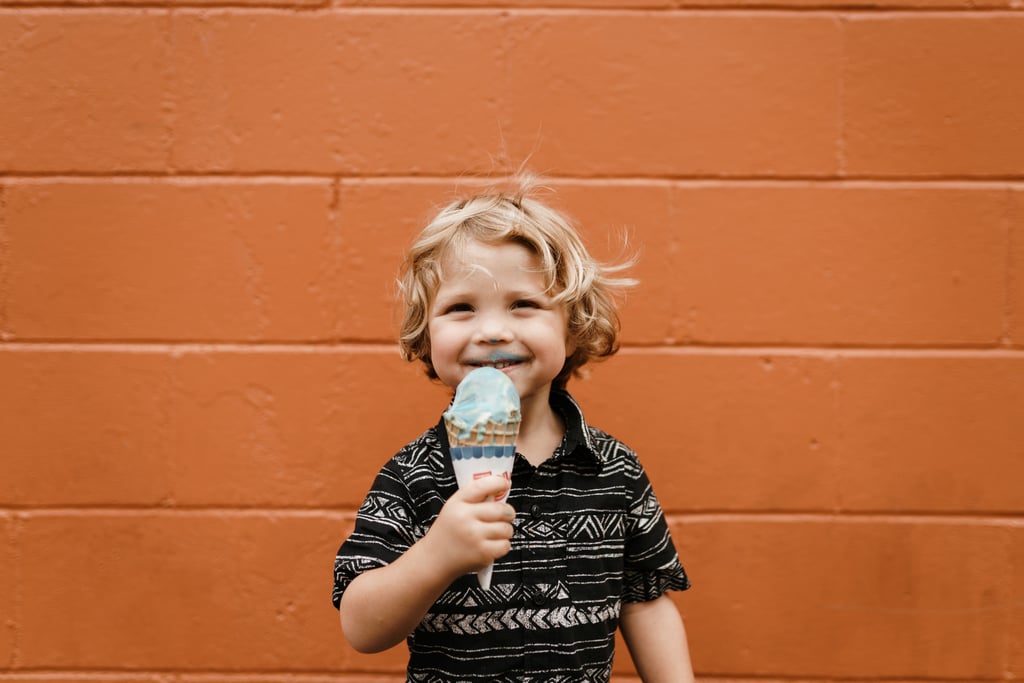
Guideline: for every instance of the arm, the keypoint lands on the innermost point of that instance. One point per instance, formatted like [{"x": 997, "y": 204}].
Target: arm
[
  {"x": 382, "y": 606},
  {"x": 656, "y": 639}
]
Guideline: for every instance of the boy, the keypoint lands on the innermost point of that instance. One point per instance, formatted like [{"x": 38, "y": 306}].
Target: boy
[{"x": 580, "y": 543}]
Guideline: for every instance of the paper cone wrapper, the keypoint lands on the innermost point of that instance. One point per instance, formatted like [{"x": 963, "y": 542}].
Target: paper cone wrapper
[{"x": 485, "y": 453}]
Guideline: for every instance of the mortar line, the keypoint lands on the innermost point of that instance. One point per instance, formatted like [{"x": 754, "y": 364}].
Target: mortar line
[
  {"x": 242, "y": 177},
  {"x": 177, "y": 348},
  {"x": 336, "y": 676},
  {"x": 554, "y": 9},
  {"x": 313, "y": 675},
  {"x": 348, "y": 513}
]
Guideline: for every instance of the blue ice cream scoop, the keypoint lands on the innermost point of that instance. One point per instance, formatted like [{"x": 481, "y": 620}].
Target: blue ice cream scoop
[{"x": 485, "y": 409}]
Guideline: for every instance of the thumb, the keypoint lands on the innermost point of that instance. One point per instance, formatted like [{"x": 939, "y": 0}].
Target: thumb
[{"x": 485, "y": 488}]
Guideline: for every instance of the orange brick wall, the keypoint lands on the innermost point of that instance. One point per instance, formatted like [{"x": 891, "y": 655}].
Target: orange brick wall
[{"x": 202, "y": 205}]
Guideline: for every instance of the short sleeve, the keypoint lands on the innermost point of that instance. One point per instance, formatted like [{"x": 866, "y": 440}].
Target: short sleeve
[
  {"x": 652, "y": 565},
  {"x": 385, "y": 528}
]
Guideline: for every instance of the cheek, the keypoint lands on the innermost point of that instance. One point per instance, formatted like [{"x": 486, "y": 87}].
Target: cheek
[{"x": 442, "y": 339}]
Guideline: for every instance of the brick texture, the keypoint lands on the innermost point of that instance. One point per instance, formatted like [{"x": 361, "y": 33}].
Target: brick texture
[
  {"x": 164, "y": 260},
  {"x": 900, "y": 416},
  {"x": 1015, "y": 664},
  {"x": 9, "y": 589},
  {"x": 734, "y": 86},
  {"x": 336, "y": 92},
  {"x": 203, "y": 205},
  {"x": 201, "y": 428},
  {"x": 179, "y": 591},
  {"x": 947, "y": 103},
  {"x": 1015, "y": 293},
  {"x": 924, "y": 599},
  {"x": 71, "y": 99}
]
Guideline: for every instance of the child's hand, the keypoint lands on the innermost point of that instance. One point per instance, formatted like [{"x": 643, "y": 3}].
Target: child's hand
[{"x": 472, "y": 530}]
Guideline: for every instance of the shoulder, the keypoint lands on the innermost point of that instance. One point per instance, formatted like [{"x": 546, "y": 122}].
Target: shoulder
[
  {"x": 422, "y": 467},
  {"x": 425, "y": 452},
  {"x": 612, "y": 452}
]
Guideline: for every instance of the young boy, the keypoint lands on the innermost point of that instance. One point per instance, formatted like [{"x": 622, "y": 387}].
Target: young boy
[{"x": 580, "y": 544}]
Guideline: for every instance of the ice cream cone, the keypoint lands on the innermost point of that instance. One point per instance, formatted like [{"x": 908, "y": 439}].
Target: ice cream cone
[{"x": 482, "y": 426}]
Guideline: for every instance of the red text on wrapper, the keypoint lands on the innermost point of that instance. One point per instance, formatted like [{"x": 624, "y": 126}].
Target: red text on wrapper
[{"x": 487, "y": 473}]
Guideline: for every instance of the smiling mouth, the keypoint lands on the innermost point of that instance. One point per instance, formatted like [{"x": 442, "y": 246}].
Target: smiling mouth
[
  {"x": 498, "y": 361},
  {"x": 497, "y": 364}
]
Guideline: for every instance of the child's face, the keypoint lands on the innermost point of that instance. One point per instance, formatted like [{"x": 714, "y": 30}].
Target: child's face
[{"x": 491, "y": 309}]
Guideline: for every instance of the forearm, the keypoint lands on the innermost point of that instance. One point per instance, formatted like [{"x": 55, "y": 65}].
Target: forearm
[
  {"x": 656, "y": 638},
  {"x": 382, "y": 606}
]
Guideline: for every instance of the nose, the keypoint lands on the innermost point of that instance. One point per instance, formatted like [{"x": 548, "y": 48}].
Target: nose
[{"x": 494, "y": 328}]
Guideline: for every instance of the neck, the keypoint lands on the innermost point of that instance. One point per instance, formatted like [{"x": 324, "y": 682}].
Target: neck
[{"x": 541, "y": 430}]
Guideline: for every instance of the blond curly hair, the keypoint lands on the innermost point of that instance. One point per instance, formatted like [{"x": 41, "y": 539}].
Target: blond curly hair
[{"x": 574, "y": 279}]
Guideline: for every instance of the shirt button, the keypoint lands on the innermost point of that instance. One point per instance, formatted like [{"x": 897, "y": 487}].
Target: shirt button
[
  {"x": 535, "y": 511},
  {"x": 538, "y": 599}
]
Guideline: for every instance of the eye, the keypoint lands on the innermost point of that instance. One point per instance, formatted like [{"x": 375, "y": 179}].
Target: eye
[
  {"x": 458, "y": 308},
  {"x": 525, "y": 303}
]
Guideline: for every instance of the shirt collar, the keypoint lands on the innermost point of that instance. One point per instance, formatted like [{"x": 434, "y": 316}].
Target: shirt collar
[{"x": 577, "y": 433}]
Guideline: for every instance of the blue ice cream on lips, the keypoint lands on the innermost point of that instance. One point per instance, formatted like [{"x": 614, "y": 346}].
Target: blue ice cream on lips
[{"x": 485, "y": 399}]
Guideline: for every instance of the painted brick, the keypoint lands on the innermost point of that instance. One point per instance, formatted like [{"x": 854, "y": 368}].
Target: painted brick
[
  {"x": 172, "y": 260},
  {"x": 9, "y": 588},
  {"x": 932, "y": 433},
  {"x": 336, "y": 92},
  {"x": 737, "y": 431},
  {"x": 680, "y": 94},
  {"x": 421, "y": 92},
  {"x": 84, "y": 428},
  {"x": 274, "y": 428},
  {"x": 1015, "y": 305},
  {"x": 851, "y": 598},
  {"x": 933, "y": 95},
  {"x": 73, "y": 101},
  {"x": 187, "y": 592},
  {"x": 838, "y": 265},
  {"x": 1015, "y": 656},
  {"x": 5, "y": 268}
]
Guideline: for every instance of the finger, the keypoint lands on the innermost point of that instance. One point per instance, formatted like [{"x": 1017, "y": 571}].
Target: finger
[
  {"x": 498, "y": 548},
  {"x": 496, "y": 512}
]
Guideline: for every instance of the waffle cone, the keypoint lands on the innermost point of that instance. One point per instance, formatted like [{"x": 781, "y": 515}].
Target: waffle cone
[{"x": 490, "y": 434}]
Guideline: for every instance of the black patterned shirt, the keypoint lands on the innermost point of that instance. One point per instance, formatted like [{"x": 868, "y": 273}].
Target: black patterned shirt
[{"x": 589, "y": 535}]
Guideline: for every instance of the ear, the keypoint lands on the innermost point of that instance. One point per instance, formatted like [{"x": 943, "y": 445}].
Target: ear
[
  {"x": 570, "y": 346},
  {"x": 571, "y": 339}
]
